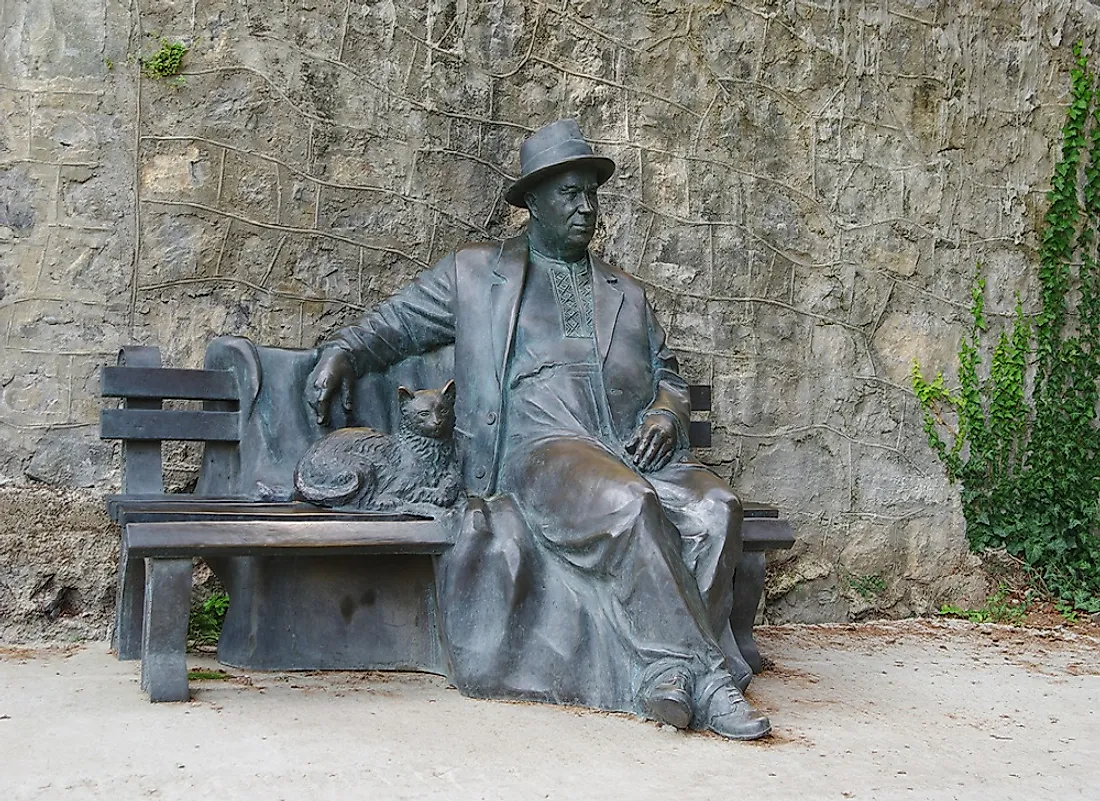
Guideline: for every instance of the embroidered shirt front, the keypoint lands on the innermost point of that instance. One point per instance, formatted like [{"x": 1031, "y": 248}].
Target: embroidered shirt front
[{"x": 572, "y": 283}]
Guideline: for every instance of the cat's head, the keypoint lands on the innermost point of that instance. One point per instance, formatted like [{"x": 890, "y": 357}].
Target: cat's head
[{"x": 428, "y": 412}]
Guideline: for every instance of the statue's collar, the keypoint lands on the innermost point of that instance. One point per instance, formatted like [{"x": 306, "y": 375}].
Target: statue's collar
[
  {"x": 515, "y": 253},
  {"x": 579, "y": 267}
]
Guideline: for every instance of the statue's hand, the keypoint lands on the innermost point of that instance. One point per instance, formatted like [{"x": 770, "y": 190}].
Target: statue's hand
[
  {"x": 333, "y": 374},
  {"x": 653, "y": 443}
]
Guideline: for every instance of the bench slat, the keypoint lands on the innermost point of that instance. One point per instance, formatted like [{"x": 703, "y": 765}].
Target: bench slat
[
  {"x": 281, "y": 537},
  {"x": 700, "y": 396},
  {"x": 326, "y": 532},
  {"x": 258, "y": 512},
  {"x": 176, "y": 506},
  {"x": 168, "y": 424},
  {"x": 123, "y": 501},
  {"x": 699, "y": 434},
  {"x": 163, "y": 382},
  {"x": 755, "y": 510},
  {"x": 767, "y": 534}
]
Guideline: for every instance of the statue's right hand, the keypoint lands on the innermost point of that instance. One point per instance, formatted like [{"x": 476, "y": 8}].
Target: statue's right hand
[{"x": 334, "y": 374}]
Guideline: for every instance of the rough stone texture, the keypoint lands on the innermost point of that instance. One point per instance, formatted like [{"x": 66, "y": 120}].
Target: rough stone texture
[
  {"x": 805, "y": 188},
  {"x": 72, "y": 458},
  {"x": 58, "y": 552}
]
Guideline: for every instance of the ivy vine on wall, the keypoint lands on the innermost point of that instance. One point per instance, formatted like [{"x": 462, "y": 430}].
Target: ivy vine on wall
[{"x": 1020, "y": 434}]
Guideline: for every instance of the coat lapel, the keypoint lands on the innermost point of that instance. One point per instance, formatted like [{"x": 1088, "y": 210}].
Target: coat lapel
[
  {"x": 508, "y": 278},
  {"x": 607, "y": 299}
]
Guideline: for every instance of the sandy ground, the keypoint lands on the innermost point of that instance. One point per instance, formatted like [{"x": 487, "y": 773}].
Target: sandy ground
[{"x": 921, "y": 710}]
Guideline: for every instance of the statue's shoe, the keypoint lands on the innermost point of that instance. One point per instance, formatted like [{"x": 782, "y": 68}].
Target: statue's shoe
[
  {"x": 729, "y": 714},
  {"x": 668, "y": 698}
]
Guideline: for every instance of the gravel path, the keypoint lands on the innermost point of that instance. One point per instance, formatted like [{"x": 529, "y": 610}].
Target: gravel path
[{"x": 918, "y": 709}]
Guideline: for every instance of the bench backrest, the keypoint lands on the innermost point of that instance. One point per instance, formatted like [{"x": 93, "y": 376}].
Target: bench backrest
[{"x": 143, "y": 424}]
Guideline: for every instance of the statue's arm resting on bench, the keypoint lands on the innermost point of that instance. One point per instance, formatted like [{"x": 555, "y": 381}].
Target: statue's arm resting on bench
[{"x": 415, "y": 320}]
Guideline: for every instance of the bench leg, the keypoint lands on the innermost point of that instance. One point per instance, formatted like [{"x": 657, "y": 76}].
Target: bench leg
[
  {"x": 164, "y": 629},
  {"x": 129, "y": 605},
  {"x": 748, "y": 587}
]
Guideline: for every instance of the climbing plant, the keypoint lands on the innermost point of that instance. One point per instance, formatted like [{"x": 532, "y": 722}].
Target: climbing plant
[{"x": 1020, "y": 433}]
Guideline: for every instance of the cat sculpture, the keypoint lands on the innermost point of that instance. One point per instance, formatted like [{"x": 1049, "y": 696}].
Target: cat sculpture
[{"x": 361, "y": 468}]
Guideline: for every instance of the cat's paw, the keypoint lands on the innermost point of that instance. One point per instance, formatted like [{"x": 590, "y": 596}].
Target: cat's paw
[
  {"x": 449, "y": 495},
  {"x": 383, "y": 503}
]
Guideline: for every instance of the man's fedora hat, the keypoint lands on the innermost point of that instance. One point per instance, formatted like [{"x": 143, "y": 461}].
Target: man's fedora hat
[{"x": 552, "y": 148}]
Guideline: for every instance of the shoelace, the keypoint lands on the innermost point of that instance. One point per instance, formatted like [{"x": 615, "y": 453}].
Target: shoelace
[
  {"x": 678, "y": 679},
  {"x": 736, "y": 696}
]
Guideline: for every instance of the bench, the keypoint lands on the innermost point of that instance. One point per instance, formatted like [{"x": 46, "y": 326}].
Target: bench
[{"x": 382, "y": 584}]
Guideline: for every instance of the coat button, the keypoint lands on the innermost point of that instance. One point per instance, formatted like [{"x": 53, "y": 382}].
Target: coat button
[
  {"x": 480, "y": 473},
  {"x": 491, "y": 418}
]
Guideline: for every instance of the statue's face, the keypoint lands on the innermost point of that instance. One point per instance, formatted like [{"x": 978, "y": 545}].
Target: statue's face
[{"x": 564, "y": 206}]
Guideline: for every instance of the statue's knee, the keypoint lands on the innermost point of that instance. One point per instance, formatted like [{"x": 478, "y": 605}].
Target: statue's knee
[
  {"x": 722, "y": 515},
  {"x": 723, "y": 505},
  {"x": 640, "y": 494},
  {"x": 640, "y": 508}
]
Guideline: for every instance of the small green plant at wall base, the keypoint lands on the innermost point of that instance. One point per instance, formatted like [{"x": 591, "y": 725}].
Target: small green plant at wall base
[
  {"x": 998, "y": 608},
  {"x": 867, "y": 587},
  {"x": 207, "y": 675},
  {"x": 205, "y": 624},
  {"x": 1068, "y": 613},
  {"x": 166, "y": 62},
  {"x": 1025, "y": 450},
  {"x": 973, "y": 615}
]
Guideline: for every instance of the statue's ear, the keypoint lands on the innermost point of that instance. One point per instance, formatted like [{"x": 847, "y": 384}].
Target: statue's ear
[
  {"x": 448, "y": 392},
  {"x": 404, "y": 394}
]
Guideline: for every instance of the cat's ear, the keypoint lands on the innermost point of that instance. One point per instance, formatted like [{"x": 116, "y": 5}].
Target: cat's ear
[
  {"x": 448, "y": 392},
  {"x": 404, "y": 394}
]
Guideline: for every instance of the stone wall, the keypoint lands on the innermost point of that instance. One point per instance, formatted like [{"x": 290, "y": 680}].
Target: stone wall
[{"x": 805, "y": 188}]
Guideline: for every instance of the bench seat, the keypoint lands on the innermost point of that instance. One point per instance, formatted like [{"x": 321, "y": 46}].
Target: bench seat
[
  {"x": 161, "y": 537},
  {"x": 763, "y": 529}
]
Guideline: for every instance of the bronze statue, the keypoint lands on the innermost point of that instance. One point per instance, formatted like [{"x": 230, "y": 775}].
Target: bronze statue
[{"x": 595, "y": 559}]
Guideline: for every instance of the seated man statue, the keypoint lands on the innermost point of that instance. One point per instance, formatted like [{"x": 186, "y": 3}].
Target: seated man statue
[{"x": 595, "y": 560}]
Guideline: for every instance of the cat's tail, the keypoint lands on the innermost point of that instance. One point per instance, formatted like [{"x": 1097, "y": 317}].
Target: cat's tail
[{"x": 326, "y": 487}]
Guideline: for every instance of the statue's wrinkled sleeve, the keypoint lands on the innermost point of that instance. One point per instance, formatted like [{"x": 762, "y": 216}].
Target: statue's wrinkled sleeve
[
  {"x": 671, "y": 391},
  {"x": 417, "y": 319}
]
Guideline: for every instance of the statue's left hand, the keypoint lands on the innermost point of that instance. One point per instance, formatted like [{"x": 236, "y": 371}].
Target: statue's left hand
[
  {"x": 653, "y": 443},
  {"x": 333, "y": 375}
]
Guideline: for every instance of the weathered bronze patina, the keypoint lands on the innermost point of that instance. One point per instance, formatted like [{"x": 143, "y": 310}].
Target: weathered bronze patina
[{"x": 596, "y": 556}]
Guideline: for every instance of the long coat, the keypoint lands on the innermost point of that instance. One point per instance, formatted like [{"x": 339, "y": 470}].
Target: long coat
[
  {"x": 471, "y": 298},
  {"x": 571, "y": 594}
]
